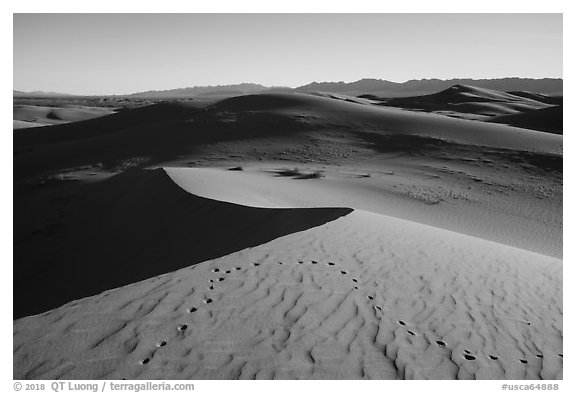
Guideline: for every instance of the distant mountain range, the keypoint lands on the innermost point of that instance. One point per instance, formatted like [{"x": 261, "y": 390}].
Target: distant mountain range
[
  {"x": 386, "y": 88},
  {"x": 202, "y": 91},
  {"x": 375, "y": 87},
  {"x": 17, "y": 93}
]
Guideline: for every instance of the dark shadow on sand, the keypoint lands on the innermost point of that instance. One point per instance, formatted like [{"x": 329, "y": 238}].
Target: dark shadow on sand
[{"x": 77, "y": 240}]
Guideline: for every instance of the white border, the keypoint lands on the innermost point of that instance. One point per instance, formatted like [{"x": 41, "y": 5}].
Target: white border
[{"x": 421, "y": 6}]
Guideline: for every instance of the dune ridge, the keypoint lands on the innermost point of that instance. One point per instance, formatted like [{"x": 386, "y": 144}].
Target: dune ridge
[
  {"x": 546, "y": 119},
  {"x": 471, "y": 102},
  {"x": 131, "y": 227},
  {"x": 324, "y": 238},
  {"x": 424, "y": 193},
  {"x": 356, "y": 298},
  {"x": 183, "y": 130}
]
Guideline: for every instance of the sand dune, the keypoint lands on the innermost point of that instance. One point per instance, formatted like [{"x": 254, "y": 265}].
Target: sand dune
[
  {"x": 364, "y": 296},
  {"x": 547, "y": 120},
  {"x": 316, "y": 110},
  {"x": 351, "y": 241},
  {"x": 431, "y": 173},
  {"x": 448, "y": 196},
  {"x": 547, "y": 99},
  {"x": 464, "y": 93},
  {"x": 130, "y": 227},
  {"x": 471, "y": 102},
  {"x": 18, "y": 124},
  {"x": 162, "y": 132},
  {"x": 34, "y": 116}
]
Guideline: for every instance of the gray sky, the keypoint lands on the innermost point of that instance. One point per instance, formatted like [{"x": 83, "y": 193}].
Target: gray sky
[{"x": 125, "y": 53}]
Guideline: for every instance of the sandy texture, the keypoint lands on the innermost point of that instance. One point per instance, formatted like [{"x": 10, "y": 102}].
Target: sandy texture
[
  {"x": 474, "y": 198},
  {"x": 257, "y": 127},
  {"x": 314, "y": 237},
  {"x": 131, "y": 227},
  {"x": 519, "y": 108},
  {"x": 356, "y": 298}
]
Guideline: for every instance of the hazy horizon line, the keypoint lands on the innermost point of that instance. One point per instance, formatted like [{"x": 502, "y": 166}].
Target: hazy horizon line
[{"x": 280, "y": 86}]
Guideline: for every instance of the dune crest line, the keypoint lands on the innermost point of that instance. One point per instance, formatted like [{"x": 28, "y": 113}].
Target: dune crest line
[{"x": 137, "y": 225}]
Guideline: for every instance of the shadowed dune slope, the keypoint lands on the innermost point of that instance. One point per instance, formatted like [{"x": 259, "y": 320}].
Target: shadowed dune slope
[
  {"x": 547, "y": 120},
  {"x": 128, "y": 228},
  {"x": 463, "y": 93},
  {"x": 472, "y": 100},
  {"x": 321, "y": 113},
  {"x": 546, "y": 99},
  {"x": 163, "y": 132},
  {"x": 362, "y": 297},
  {"x": 526, "y": 219},
  {"x": 150, "y": 134},
  {"x": 163, "y": 113}
]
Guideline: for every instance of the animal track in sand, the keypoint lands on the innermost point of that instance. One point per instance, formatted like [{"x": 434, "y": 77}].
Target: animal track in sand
[
  {"x": 540, "y": 356},
  {"x": 192, "y": 309},
  {"x": 161, "y": 344},
  {"x": 300, "y": 262},
  {"x": 523, "y": 361},
  {"x": 182, "y": 327},
  {"x": 320, "y": 304},
  {"x": 145, "y": 361}
]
